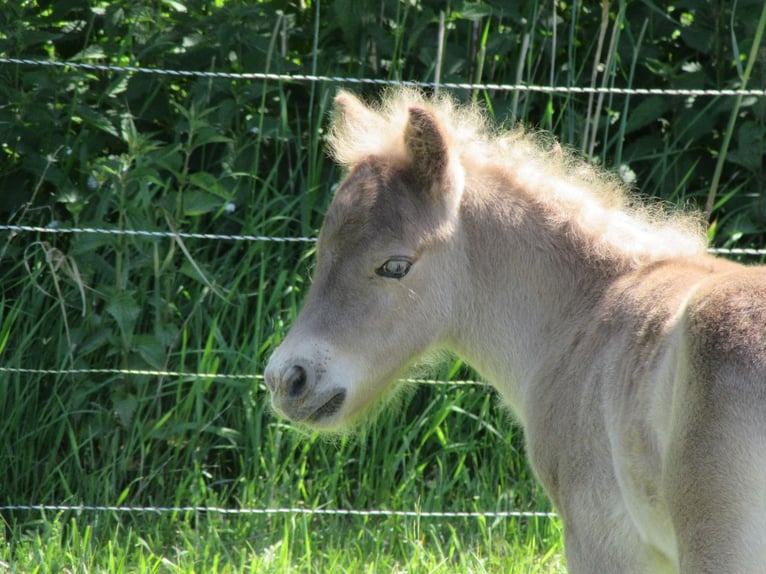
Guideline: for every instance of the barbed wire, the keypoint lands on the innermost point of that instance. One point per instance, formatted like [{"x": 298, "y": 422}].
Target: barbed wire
[
  {"x": 687, "y": 92},
  {"x": 273, "y": 511},
  {"x": 254, "y": 238}
]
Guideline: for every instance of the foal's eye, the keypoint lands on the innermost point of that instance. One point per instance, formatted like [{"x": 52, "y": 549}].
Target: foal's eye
[{"x": 395, "y": 268}]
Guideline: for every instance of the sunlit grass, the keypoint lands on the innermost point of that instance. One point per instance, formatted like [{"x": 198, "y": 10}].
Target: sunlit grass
[{"x": 285, "y": 544}]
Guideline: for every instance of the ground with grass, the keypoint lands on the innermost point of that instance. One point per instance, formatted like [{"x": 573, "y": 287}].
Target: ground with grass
[{"x": 133, "y": 416}]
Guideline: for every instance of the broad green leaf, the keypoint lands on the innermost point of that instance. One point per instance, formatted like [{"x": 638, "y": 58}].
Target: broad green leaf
[
  {"x": 124, "y": 309},
  {"x": 198, "y": 202},
  {"x": 647, "y": 112},
  {"x": 750, "y": 146}
]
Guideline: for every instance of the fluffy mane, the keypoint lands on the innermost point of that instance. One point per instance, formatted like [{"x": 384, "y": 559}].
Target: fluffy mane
[{"x": 591, "y": 202}]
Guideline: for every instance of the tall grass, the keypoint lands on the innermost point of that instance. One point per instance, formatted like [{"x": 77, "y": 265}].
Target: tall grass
[
  {"x": 78, "y": 310},
  {"x": 200, "y": 306}
]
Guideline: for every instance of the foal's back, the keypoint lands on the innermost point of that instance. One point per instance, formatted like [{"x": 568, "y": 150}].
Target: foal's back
[
  {"x": 716, "y": 460},
  {"x": 673, "y": 364}
]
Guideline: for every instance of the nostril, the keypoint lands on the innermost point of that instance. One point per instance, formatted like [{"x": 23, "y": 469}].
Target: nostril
[{"x": 295, "y": 380}]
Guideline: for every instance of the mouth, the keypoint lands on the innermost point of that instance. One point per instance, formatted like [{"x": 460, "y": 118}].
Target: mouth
[{"x": 329, "y": 408}]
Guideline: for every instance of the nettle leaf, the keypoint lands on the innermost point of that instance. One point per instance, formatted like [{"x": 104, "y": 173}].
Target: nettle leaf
[
  {"x": 698, "y": 38},
  {"x": 647, "y": 112},
  {"x": 351, "y": 17},
  {"x": 122, "y": 307},
  {"x": 91, "y": 117},
  {"x": 124, "y": 408},
  {"x": 168, "y": 157},
  {"x": 474, "y": 11},
  {"x": 209, "y": 183},
  {"x": 99, "y": 340},
  {"x": 177, "y": 6},
  {"x": 208, "y": 135},
  {"x": 198, "y": 202},
  {"x": 750, "y": 146},
  {"x": 151, "y": 349}
]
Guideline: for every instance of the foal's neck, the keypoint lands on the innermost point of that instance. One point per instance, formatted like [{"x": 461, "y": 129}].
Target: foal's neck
[{"x": 528, "y": 280}]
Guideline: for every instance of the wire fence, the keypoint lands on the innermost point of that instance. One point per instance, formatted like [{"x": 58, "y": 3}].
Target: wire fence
[
  {"x": 252, "y": 238},
  {"x": 160, "y": 234},
  {"x": 273, "y": 511},
  {"x": 204, "y": 375},
  {"x": 151, "y": 234},
  {"x": 586, "y": 90}
]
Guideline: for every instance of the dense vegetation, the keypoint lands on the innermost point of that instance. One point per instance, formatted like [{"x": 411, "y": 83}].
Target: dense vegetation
[{"x": 159, "y": 152}]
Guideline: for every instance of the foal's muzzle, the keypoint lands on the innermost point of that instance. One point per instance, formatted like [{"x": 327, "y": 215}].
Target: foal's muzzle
[{"x": 297, "y": 392}]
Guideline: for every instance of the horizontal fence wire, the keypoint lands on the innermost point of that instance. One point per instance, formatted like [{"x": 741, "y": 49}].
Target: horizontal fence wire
[
  {"x": 273, "y": 511},
  {"x": 152, "y": 234},
  {"x": 737, "y": 251},
  {"x": 202, "y": 375},
  {"x": 387, "y": 82},
  {"x": 351, "y": 80},
  {"x": 255, "y": 238}
]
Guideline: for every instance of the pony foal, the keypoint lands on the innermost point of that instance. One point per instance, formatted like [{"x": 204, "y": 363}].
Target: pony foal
[{"x": 635, "y": 362}]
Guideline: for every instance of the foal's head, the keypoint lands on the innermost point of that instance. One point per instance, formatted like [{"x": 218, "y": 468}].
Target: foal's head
[{"x": 381, "y": 294}]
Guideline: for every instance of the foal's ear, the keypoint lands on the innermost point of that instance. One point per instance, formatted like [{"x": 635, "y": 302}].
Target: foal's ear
[{"x": 427, "y": 146}]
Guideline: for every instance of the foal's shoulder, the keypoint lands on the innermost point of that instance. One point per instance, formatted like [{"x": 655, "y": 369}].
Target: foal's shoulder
[
  {"x": 731, "y": 288},
  {"x": 697, "y": 266},
  {"x": 726, "y": 315},
  {"x": 663, "y": 291},
  {"x": 666, "y": 283}
]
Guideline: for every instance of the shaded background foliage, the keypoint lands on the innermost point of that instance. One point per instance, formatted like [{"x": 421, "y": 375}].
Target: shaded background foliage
[
  {"x": 156, "y": 152},
  {"x": 60, "y": 126}
]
